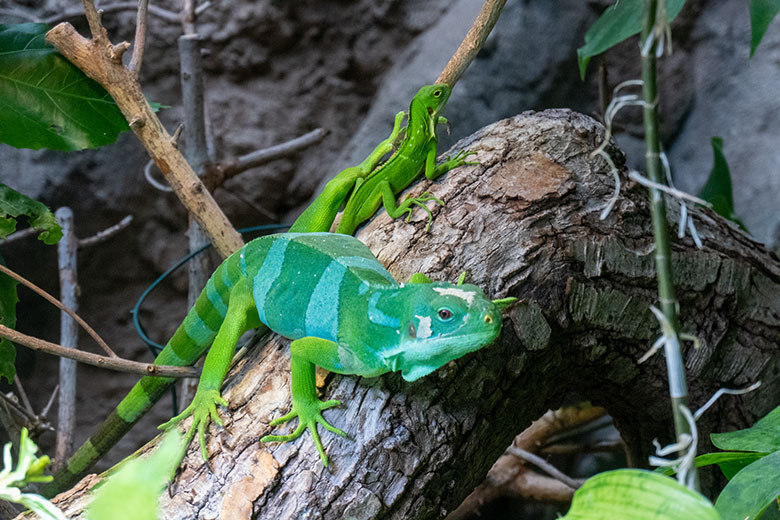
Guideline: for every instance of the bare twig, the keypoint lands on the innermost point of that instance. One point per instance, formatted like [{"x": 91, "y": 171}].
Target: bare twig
[
  {"x": 54, "y": 301},
  {"x": 106, "y": 233},
  {"x": 188, "y": 17},
  {"x": 511, "y": 477},
  {"x": 139, "y": 42},
  {"x": 545, "y": 466},
  {"x": 67, "y": 249},
  {"x": 112, "y": 363},
  {"x": 23, "y": 395},
  {"x": 20, "y": 234},
  {"x": 102, "y": 61},
  {"x": 218, "y": 173},
  {"x": 472, "y": 43}
]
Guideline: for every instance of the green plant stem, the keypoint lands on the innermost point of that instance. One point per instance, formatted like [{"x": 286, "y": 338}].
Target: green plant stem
[{"x": 678, "y": 387}]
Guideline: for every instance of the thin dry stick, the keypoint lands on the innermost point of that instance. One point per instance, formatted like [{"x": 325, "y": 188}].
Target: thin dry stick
[
  {"x": 54, "y": 301},
  {"x": 139, "y": 42},
  {"x": 99, "y": 59},
  {"x": 219, "y": 173},
  {"x": 472, "y": 43},
  {"x": 106, "y": 233},
  {"x": 20, "y": 234},
  {"x": 112, "y": 363},
  {"x": 545, "y": 466}
]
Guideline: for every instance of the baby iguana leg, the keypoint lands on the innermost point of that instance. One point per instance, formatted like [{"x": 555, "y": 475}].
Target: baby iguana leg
[
  {"x": 397, "y": 210},
  {"x": 241, "y": 316},
  {"x": 304, "y": 353},
  {"x": 458, "y": 160},
  {"x": 319, "y": 215}
]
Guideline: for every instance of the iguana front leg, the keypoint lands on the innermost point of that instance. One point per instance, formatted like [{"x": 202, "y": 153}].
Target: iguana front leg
[
  {"x": 306, "y": 406},
  {"x": 241, "y": 316},
  {"x": 322, "y": 212}
]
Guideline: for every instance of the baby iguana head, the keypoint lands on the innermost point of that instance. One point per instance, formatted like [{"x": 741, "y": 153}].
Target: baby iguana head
[
  {"x": 440, "y": 322},
  {"x": 433, "y": 97}
]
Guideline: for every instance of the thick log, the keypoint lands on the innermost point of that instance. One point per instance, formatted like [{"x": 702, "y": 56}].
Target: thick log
[{"x": 524, "y": 223}]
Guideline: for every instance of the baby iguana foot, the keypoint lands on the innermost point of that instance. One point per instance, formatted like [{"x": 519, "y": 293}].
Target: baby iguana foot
[
  {"x": 458, "y": 160},
  {"x": 203, "y": 410},
  {"x": 420, "y": 201},
  {"x": 308, "y": 414}
]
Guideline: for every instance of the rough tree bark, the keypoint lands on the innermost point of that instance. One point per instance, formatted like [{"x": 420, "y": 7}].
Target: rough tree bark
[{"x": 524, "y": 223}]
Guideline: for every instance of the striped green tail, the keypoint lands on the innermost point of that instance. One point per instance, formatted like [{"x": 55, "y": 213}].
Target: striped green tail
[{"x": 189, "y": 342}]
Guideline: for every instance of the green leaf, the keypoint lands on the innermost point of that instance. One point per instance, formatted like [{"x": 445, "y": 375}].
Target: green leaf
[
  {"x": 729, "y": 462},
  {"x": 46, "y": 101},
  {"x": 761, "y": 14},
  {"x": 138, "y": 482},
  {"x": 617, "y": 23},
  {"x": 8, "y": 301},
  {"x": 717, "y": 189},
  {"x": 633, "y": 494},
  {"x": 764, "y": 436},
  {"x": 14, "y": 204},
  {"x": 751, "y": 490}
]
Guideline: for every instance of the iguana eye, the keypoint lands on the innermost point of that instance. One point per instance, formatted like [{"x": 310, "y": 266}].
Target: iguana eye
[
  {"x": 436, "y": 93},
  {"x": 445, "y": 314}
]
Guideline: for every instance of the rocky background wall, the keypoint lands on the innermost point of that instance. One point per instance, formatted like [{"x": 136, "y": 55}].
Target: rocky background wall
[{"x": 278, "y": 69}]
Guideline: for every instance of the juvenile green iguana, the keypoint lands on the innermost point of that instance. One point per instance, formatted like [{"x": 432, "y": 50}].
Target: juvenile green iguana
[
  {"x": 371, "y": 183},
  {"x": 264, "y": 275}
]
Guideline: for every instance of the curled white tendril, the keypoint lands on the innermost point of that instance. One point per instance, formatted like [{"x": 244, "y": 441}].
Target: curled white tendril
[
  {"x": 686, "y": 443},
  {"x": 151, "y": 180},
  {"x": 613, "y": 108}
]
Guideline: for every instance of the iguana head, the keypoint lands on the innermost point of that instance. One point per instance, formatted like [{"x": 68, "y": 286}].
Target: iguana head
[
  {"x": 433, "y": 97},
  {"x": 440, "y": 322}
]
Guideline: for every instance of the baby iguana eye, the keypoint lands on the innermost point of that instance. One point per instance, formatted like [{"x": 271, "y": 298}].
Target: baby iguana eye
[
  {"x": 436, "y": 93},
  {"x": 445, "y": 314}
]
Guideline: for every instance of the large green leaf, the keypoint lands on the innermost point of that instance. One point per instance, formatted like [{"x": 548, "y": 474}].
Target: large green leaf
[
  {"x": 633, "y": 494},
  {"x": 761, "y": 14},
  {"x": 751, "y": 490},
  {"x": 717, "y": 189},
  {"x": 8, "y": 300},
  {"x": 617, "y": 23},
  {"x": 46, "y": 101},
  {"x": 13, "y": 204},
  {"x": 764, "y": 436}
]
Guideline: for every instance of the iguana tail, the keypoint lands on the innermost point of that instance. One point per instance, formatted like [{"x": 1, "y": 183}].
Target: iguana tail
[{"x": 188, "y": 343}]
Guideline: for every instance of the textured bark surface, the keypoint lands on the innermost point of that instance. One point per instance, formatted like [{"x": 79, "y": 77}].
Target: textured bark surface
[{"x": 524, "y": 223}]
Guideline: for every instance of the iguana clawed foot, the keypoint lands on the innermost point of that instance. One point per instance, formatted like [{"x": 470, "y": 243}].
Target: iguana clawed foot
[
  {"x": 309, "y": 414},
  {"x": 203, "y": 410},
  {"x": 420, "y": 201},
  {"x": 458, "y": 160}
]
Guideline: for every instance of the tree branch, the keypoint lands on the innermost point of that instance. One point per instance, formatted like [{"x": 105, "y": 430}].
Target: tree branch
[
  {"x": 111, "y": 363},
  {"x": 218, "y": 173},
  {"x": 102, "y": 62},
  {"x": 472, "y": 43}
]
